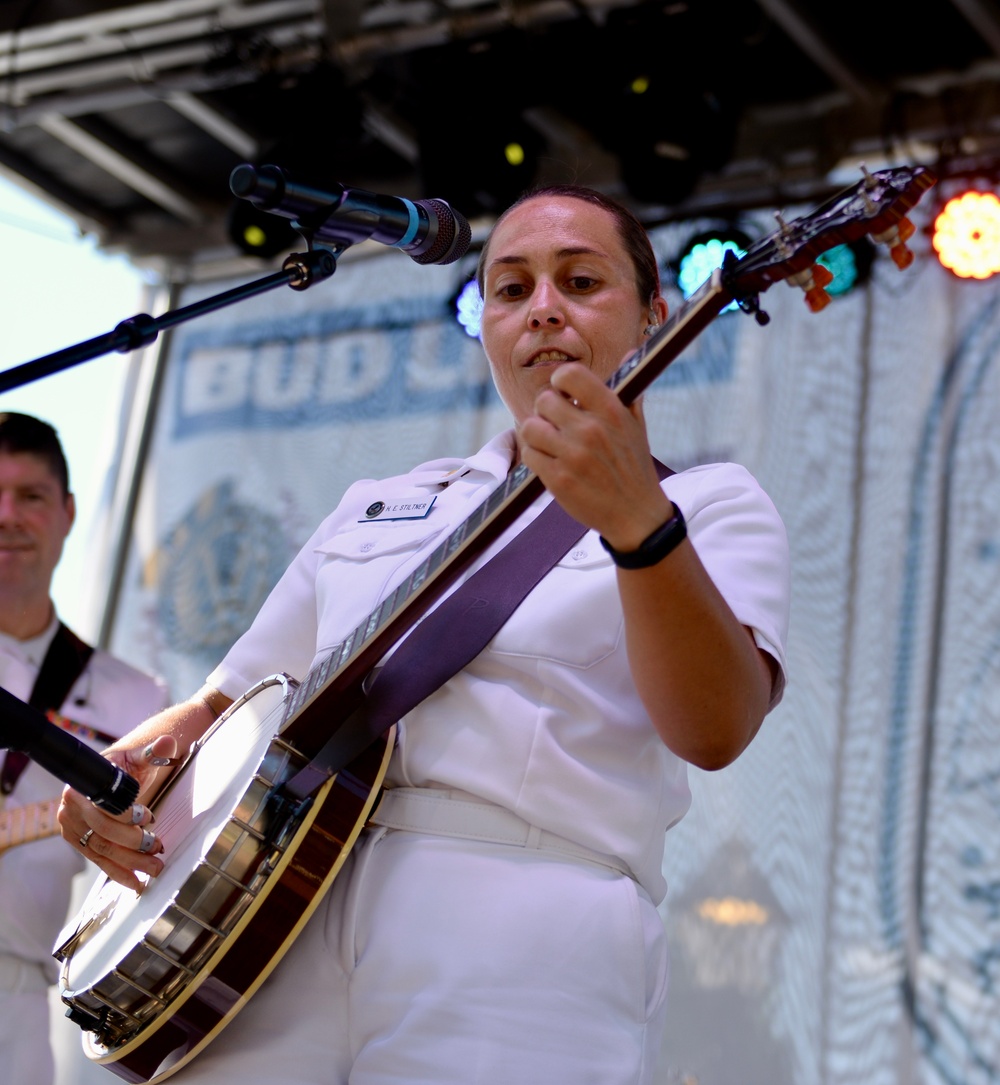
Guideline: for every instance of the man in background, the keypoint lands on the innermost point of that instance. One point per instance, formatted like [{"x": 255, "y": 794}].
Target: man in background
[{"x": 86, "y": 691}]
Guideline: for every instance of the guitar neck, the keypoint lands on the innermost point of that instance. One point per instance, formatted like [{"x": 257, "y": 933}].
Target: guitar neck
[
  {"x": 23, "y": 824},
  {"x": 345, "y": 668}
]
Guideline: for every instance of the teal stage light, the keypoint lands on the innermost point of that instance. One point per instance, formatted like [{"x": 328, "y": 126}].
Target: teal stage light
[{"x": 850, "y": 265}]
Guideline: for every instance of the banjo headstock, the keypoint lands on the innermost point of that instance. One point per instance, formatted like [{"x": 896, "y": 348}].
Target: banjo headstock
[{"x": 875, "y": 207}]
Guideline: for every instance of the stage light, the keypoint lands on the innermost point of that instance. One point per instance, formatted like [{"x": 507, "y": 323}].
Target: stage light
[
  {"x": 480, "y": 169},
  {"x": 258, "y": 233},
  {"x": 514, "y": 153},
  {"x": 667, "y": 135},
  {"x": 703, "y": 254},
  {"x": 966, "y": 235},
  {"x": 667, "y": 97},
  {"x": 468, "y": 306},
  {"x": 850, "y": 265}
]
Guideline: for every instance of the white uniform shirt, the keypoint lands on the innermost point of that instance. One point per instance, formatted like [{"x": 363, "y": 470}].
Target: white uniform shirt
[
  {"x": 35, "y": 878},
  {"x": 545, "y": 721}
]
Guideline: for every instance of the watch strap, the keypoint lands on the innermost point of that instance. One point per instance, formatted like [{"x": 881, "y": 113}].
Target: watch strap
[{"x": 655, "y": 547}]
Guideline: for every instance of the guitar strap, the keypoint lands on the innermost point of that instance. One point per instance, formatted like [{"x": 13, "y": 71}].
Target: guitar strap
[
  {"x": 448, "y": 638},
  {"x": 63, "y": 664}
]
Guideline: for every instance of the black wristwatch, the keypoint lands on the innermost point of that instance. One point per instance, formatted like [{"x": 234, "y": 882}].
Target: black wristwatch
[{"x": 654, "y": 548}]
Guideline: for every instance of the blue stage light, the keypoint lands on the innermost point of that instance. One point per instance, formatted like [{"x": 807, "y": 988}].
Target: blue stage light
[{"x": 469, "y": 307}]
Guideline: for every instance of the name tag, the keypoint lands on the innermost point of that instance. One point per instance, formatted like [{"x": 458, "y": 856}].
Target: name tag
[{"x": 414, "y": 509}]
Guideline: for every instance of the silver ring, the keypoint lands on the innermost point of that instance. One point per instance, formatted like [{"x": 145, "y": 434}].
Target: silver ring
[
  {"x": 137, "y": 812},
  {"x": 85, "y": 839},
  {"x": 148, "y": 839},
  {"x": 159, "y": 762}
]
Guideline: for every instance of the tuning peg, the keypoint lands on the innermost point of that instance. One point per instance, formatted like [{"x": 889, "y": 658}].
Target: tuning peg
[
  {"x": 812, "y": 281},
  {"x": 896, "y": 237}
]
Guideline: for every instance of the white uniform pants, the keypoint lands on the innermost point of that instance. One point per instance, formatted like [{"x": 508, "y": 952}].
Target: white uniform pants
[
  {"x": 25, "y": 1055},
  {"x": 456, "y": 962}
]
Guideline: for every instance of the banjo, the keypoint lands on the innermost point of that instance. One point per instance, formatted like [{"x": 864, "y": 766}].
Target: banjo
[{"x": 152, "y": 978}]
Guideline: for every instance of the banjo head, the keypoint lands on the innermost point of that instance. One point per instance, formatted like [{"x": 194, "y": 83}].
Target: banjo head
[{"x": 223, "y": 833}]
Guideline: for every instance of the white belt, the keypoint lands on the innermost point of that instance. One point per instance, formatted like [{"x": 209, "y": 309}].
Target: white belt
[{"x": 458, "y": 814}]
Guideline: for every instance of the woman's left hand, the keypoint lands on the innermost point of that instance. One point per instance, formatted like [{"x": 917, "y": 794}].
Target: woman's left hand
[{"x": 125, "y": 844}]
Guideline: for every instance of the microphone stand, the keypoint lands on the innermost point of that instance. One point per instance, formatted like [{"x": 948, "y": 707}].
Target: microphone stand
[{"x": 299, "y": 271}]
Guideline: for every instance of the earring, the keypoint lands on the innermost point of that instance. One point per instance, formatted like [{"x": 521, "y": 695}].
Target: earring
[{"x": 650, "y": 327}]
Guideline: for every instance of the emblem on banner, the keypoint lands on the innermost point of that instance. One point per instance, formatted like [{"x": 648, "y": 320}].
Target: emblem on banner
[{"x": 216, "y": 568}]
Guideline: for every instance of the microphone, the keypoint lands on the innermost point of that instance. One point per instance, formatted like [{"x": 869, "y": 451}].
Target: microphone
[
  {"x": 65, "y": 756},
  {"x": 429, "y": 231}
]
